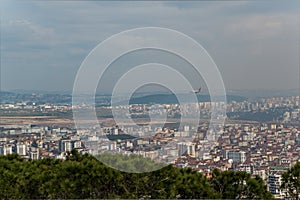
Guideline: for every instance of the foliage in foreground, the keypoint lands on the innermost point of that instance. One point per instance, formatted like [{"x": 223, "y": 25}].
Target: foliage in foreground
[
  {"x": 291, "y": 182},
  {"x": 85, "y": 177},
  {"x": 130, "y": 163}
]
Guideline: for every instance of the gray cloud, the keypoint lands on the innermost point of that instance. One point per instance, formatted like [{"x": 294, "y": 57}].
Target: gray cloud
[{"x": 255, "y": 44}]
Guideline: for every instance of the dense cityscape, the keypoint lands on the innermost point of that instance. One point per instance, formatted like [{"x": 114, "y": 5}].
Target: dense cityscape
[{"x": 260, "y": 147}]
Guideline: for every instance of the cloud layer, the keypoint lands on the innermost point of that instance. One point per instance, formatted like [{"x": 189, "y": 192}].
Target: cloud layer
[{"x": 255, "y": 44}]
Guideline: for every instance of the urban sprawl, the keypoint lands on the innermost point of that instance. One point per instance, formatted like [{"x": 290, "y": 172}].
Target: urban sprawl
[{"x": 262, "y": 147}]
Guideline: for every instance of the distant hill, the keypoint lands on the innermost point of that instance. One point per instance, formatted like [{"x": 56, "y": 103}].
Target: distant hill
[
  {"x": 261, "y": 93},
  {"x": 38, "y": 98},
  {"x": 172, "y": 99},
  {"x": 13, "y": 97}
]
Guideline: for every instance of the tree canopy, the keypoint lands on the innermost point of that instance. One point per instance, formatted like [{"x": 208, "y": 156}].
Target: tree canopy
[
  {"x": 83, "y": 176},
  {"x": 291, "y": 182}
]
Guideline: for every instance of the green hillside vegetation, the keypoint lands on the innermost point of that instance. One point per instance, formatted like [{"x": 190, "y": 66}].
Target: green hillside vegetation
[{"x": 83, "y": 176}]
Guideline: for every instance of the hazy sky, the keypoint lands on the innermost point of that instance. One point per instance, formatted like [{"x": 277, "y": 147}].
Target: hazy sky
[{"x": 255, "y": 44}]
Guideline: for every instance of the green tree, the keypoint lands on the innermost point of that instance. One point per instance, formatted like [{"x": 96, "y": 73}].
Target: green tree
[
  {"x": 83, "y": 176},
  {"x": 291, "y": 182},
  {"x": 239, "y": 185}
]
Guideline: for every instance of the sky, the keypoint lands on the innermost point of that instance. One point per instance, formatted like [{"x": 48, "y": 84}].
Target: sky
[{"x": 255, "y": 44}]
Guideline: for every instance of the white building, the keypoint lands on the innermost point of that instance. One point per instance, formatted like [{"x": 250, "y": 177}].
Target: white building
[
  {"x": 236, "y": 156},
  {"x": 34, "y": 153},
  {"x": 21, "y": 149},
  {"x": 65, "y": 145},
  {"x": 274, "y": 181},
  {"x": 188, "y": 148},
  {"x": 5, "y": 150}
]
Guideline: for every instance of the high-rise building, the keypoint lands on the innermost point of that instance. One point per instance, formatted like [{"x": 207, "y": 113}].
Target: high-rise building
[
  {"x": 188, "y": 148},
  {"x": 275, "y": 181},
  {"x": 34, "y": 153},
  {"x": 6, "y": 149},
  {"x": 65, "y": 145},
  {"x": 21, "y": 149},
  {"x": 68, "y": 145},
  {"x": 236, "y": 156}
]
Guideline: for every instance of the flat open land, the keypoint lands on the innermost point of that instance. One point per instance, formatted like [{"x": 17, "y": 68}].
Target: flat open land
[
  {"x": 68, "y": 122},
  {"x": 38, "y": 120}
]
